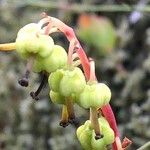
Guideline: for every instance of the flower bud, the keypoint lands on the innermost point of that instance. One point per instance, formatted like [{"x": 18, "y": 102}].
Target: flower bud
[
  {"x": 56, "y": 97},
  {"x": 97, "y": 144},
  {"x": 54, "y": 79},
  {"x": 30, "y": 28},
  {"x": 31, "y": 42},
  {"x": 72, "y": 83},
  {"x": 108, "y": 135},
  {"x": 95, "y": 95},
  {"x": 57, "y": 60},
  {"x": 84, "y": 135}
]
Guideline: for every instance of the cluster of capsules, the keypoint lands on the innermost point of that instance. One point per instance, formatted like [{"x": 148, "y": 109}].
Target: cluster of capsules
[{"x": 67, "y": 82}]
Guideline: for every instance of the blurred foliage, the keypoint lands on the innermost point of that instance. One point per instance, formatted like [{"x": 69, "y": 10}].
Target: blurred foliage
[
  {"x": 29, "y": 125},
  {"x": 98, "y": 33}
]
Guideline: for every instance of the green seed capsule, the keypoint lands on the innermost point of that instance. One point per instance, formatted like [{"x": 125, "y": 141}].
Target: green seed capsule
[
  {"x": 45, "y": 45},
  {"x": 56, "y": 98},
  {"x": 72, "y": 83},
  {"x": 57, "y": 60},
  {"x": 31, "y": 42},
  {"x": 84, "y": 135},
  {"x": 21, "y": 47},
  {"x": 103, "y": 121},
  {"x": 33, "y": 45},
  {"x": 54, "y": 79},
  {"x": 30, "y": 28},
  {"x": 95, "y": 95},
  {"x": 108, "y": 134},
  {"x": 97, "y": 144}
]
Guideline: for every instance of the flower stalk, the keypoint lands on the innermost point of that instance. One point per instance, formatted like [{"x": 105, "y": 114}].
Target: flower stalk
[
  {"x": 35, "y": 94},
  {"x": 94, "y": 123},
  {"x": 64, "y": 118},
  {"x": 7, "y": 47},
  {"x": 70, "y": 109},
  {"x": 69, "y": 33}
]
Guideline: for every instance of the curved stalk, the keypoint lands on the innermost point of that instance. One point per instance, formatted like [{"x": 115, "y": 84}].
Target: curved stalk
[
  {"x": 35, "y": 94},
  {"x": 69, "y": 33},
  {"x": 110, "y": 117},
  {"x": 145, "y": 146},
  {"x": 70, "y": 52},
  {"x": 92, "y": 71}
]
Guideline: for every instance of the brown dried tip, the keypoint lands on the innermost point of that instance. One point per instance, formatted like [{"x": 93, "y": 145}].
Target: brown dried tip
[
  {"x": 44, "y": 15},
  {"x": 99, "y": 136},
  {"x": 23, "y": 82},
  {"x": 34, "y": 96},
  {"x": 63, "y": 124},
  {"x": 91, "y": 59},
  {"x": 74, "y": 121}
]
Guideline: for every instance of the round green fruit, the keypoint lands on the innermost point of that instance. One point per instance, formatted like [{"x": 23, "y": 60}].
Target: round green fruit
[
  {"x": 95, "y": 95},
  {"x": 30, "y": 41},
  {"x": 30, "y": 28},
  {"x": 28, "y": 45},
  {"x": 72, "y": 83},
  {"x": 54, "y": 79},
  {"x": 56, "y": 98},
  {"x": 56, "y": 60},
  {"x": 108, "y": 135},
  {"x": 97, "y": 144},
  {"x": 84, "y": 135}
]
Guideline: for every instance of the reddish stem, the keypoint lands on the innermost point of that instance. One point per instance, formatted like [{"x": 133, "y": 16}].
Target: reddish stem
[
  {"x": 126, "y": 143},
  {"x": 92, "y": 71},
  {"x": 70, "y": 52},
  {"x": 84, "y": 61},
  {"x": 109, "y": 115},
  {"x": 69, "y": 33}
]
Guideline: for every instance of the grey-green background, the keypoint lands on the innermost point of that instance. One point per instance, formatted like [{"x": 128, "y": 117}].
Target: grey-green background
[{"x": 29, "y": 125}]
